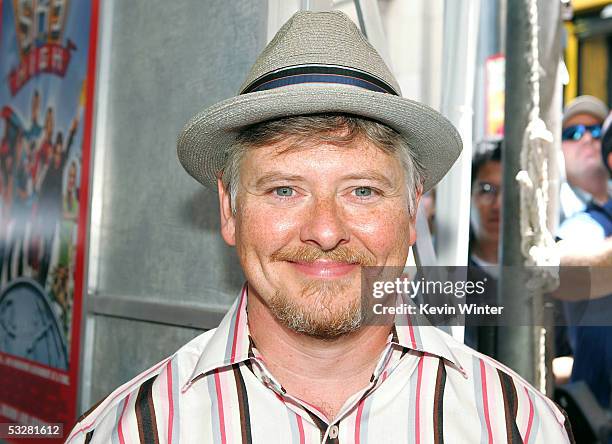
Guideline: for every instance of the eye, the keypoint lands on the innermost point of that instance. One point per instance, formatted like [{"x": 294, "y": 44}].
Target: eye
[
  {"x": 485, "y": 188},
  {"x": 283, "y": 191},
  {"x": 596, "y": 132},
  {"x": 363, "y": 191}
]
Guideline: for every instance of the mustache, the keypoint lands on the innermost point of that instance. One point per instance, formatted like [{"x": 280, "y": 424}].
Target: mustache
[{"x": 309, "y": 254}]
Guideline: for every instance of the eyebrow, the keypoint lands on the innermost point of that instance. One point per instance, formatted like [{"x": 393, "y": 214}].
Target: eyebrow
[
  {"x": 278, "y": 175},
  {"x": 370, "y": 175},
  {"x": 275, "y": 176}
]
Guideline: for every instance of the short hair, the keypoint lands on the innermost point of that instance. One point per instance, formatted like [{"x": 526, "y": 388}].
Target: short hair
[
  {"x": 486, "y": 151},
  {"x": 337, "y": 129}
]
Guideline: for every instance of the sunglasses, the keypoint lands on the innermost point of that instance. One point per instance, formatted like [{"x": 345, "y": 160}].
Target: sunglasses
[{"x": 576, "y": 132}]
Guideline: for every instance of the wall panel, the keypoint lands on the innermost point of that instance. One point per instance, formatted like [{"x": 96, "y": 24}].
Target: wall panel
[{"x": 155, "y": 231}]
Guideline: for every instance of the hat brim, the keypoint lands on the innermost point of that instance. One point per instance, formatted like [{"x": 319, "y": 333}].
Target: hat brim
[{"x": 205, "y": 139}]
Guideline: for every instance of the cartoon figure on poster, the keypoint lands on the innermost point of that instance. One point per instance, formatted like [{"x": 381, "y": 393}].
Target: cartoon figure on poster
[{"x": 42, "y": 98}]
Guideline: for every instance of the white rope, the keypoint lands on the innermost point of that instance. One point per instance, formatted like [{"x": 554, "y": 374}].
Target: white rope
[
  {"x": 537, "y": 242},
  {"x": 542, "y": 371}
]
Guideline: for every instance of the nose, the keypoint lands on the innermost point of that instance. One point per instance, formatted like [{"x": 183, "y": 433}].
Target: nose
[
  {"x": 324, "y": 226},
  {"x": 497, "y": 201}
]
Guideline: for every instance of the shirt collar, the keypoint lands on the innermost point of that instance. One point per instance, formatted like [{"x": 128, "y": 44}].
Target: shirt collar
[
  {"x": 230, "y": 343},
  {"x": 423, "y": 337},
  {"x": 574, "y": 199}
]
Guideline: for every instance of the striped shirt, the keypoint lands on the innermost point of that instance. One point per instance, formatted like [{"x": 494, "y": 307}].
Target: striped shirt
[{"x": 426, "y": 388}]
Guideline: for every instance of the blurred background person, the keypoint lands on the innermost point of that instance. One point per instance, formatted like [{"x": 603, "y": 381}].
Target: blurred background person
[
  {"x": 585, "y": 241},
  {"x": 485, "y": 215},
  {"x": 587, "y": 178},
  {"x": 485, "y": 221}
]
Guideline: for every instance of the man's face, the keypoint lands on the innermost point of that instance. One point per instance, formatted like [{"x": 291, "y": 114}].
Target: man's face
[
  {"x": 582, "y": 157},
  {"x": 307, "y": 218},
  {"x": 486, "y": 201}
]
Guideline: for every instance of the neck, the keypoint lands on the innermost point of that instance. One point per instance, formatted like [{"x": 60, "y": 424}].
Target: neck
[
  {"x": 324, "y": 373},
  {"x": 595, "y": 184},
  {"x": 486, "y": 249}
]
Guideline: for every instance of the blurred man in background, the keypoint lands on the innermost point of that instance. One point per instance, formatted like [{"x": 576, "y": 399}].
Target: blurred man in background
[
  {"x": 485, "y": 221},
  {"x": 485, "y": 217},
  {"x": 585, "y": 241},
  {"x": 587, "y": 178}
]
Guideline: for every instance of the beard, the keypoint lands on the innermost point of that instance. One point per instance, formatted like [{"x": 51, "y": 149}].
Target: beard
[{"x": 324, "y": 309}]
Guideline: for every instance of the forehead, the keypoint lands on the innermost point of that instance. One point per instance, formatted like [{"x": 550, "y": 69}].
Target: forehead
[
  {"x": 491, "y": 171},
  {"x": 320, "y": 159},
  {"x": 582, "y": 119}
]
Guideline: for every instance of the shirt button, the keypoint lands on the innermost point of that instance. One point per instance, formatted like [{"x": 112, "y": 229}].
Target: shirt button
[
  {"x": 333, "y": 432},
  {"x": 266, "y": 380}
]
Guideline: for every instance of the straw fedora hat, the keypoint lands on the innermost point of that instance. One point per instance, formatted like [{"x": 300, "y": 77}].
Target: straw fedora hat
[{"x": 318, "y": 62}]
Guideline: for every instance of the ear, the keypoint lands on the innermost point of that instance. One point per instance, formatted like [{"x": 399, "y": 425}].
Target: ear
[
  {"x": 228, "y": 220},
  {"x": 609, "y": 160},
  {"x": 417, "y": 200}
]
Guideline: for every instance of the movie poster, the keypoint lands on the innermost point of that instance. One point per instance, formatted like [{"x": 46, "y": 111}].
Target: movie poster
[{"x": 47, "y": 59}]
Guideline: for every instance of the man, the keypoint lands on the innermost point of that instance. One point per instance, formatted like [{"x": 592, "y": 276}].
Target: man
[
  {"x": 582, "y": 242},
  {"x": 485, "y": 221},
  {"x": 319, "y": 165},
  {"x": 581, "y": 144},
  {"x": 588, "y": 235},
  {"x": 485, "y": 217}
]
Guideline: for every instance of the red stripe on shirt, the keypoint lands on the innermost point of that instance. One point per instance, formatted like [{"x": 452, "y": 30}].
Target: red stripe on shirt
[
  {"x": 170, "y": 400},
  {"x": 120, "y": 425},
  {"x": 358, "y": 421},
  {"x": 411, "y": 330},
  {"x": 301, "y": 429},
  {"x": 485, "y": 399},
  {"x": 417, "y": 411},
  {"x": 220, "y": 405},
  {"x": 530, "y": 422}
]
